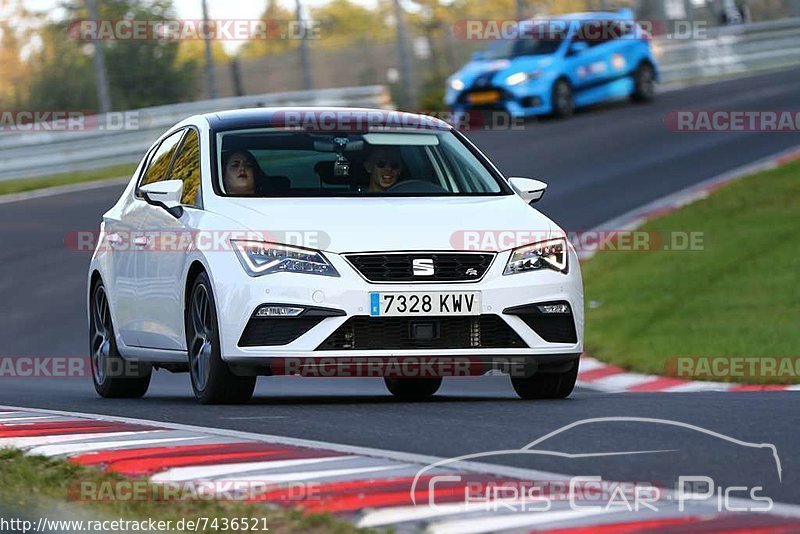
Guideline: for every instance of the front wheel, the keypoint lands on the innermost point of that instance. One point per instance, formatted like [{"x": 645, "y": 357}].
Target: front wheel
[
  {"x": 413, "y": 388},
  {"x": 212, "y": 380},
  {"x": 556, "y": 385},
  {"x": 113, "y": 376},
  {"x": 644, "y": 81},
  {"x": 563, "y": 99}
]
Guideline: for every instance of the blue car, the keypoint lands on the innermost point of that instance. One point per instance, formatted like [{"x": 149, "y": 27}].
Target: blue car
[{"x": 553, "y": 67}]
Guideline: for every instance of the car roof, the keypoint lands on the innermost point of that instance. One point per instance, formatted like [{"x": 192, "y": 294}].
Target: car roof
[{"x": 350, "y": 116}]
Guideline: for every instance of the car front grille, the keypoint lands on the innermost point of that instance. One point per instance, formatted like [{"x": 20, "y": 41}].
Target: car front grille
[
  {"x": 400, "y": 266},
  {"x": 396, "y": 333},
  {"x": 268, "y": 332}
]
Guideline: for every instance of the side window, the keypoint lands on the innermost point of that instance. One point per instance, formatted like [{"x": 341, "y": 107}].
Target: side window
[
  {"x": 157, "y": 169},
  {"x": 187, "y": 168}
]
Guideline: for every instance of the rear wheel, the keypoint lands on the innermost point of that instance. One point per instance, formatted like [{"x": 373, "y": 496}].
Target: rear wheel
[
  {"x": 212, "y": 380},
  {"x": 413, "y": 388},
  {"x": 563, "y": 100},
  {"x": 113, "y": 376},
  {"x": 644, "y": 80},
  {"x": 547, "y": 385}
]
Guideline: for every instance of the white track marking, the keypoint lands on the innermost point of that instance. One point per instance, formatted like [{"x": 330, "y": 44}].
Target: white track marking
[
  {"x": 621, "y": 382},
  {"x": 589, "y": 364},
  {"x": 32, "y": 441},
  {"x": 180, "y": 474},
  {"x": 404, "y": 514},
  {"x": 62, "y": 190},
  {"x": 699, "y": 386},
  {"x": 5, "y": 420},
  {"x": 504, "y": 522},
  {"x": 81, "y": 448},
  {"x": 311, "y": 475}
]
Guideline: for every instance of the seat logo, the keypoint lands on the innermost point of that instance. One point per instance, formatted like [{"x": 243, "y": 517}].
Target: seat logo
[{"x": 423, "y": 267}]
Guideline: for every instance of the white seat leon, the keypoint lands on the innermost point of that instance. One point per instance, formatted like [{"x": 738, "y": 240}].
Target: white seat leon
[{"x": 330, "y": 242}]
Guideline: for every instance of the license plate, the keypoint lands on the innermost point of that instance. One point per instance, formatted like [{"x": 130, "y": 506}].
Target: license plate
[
  {"x": 422, "y": 304},
  {"x": 484, "y": 97}
]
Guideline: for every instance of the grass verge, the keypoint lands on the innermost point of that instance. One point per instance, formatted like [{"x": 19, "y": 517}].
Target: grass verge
[
  {"x": 40, "y": 182},
  {"x": 738, "y": 296},
  {"x": 37, "y": 486}
]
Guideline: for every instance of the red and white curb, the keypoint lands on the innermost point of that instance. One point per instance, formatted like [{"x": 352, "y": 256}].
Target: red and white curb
[
  {"x": 370, "y": 487},
  {"x": 596, "y": 375}
]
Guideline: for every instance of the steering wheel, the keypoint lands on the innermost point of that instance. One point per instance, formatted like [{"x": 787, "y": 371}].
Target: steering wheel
[{"x": 416, "y": 186}]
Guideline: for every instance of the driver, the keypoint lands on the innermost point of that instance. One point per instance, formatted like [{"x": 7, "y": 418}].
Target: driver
[
  {"x": 242, "y": 174},
  {"x": 384, "y": 169}
]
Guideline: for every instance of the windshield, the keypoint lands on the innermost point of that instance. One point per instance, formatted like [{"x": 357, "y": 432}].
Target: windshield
[
  {"x": 270, "y": 163},
  {"x": 507, "y": 48}
]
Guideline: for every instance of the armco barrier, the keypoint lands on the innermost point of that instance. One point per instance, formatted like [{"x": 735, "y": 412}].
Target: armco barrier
[
  {"x": 730, "y": 50},
  {"x": 37, "y": 153}
]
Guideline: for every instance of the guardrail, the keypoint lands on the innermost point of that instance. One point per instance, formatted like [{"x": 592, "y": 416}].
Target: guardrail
[
  {"x": 38, "y": 153},
  {"x": 730, "y": 50}
]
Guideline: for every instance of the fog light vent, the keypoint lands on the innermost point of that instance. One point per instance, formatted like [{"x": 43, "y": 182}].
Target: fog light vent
[{"x": 279, "y": 311}]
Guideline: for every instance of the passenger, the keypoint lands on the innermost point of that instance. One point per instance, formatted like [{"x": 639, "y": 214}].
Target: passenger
[
  {"x": 242, "y": 174},
  {"x": 384, "y": 169}
]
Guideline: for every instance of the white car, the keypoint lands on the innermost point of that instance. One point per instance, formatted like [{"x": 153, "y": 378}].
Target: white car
[{"x": 342, "y": 242}]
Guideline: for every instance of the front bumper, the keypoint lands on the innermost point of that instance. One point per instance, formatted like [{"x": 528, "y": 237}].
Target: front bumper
[
  {"x": 525, "y": 100},
  {"x": 239, "y": 295}
]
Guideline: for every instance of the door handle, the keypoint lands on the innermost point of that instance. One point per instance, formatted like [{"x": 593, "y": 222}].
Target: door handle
[
  {"x": 141, "y": 241},
  {"x": 114, "y": 238}
]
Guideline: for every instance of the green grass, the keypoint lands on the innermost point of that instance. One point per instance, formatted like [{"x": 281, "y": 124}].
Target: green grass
[
  {"x": 739, "y": 296},
  {"x": 36, "y": 486},
  {"x": 40, "y": 182}
]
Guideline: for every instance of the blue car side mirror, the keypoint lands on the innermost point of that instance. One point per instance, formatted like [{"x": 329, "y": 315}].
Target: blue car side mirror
[{"x": 578, "y": 47}]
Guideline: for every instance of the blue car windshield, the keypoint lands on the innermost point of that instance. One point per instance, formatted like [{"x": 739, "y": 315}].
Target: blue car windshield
[{"x": 505, "y": 48}]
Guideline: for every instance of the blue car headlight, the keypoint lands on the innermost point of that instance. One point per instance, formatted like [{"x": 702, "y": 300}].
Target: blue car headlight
[
  {"x": 456, "y": 84},
  {"x": 522, "y": 77}
]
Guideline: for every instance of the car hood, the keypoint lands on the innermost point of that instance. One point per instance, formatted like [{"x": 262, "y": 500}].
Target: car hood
[{"x": 382, "y": 224}]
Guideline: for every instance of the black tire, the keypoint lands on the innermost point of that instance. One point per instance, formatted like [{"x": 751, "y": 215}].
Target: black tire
[
  {"x": 113, "y": 376},
  {"x": 557, "y": 385},
  {"x": 644, "y": 81},
  {"x": 212, "y": 380},
  {"x": 563, "y": 100},
  {"x": 413, "y": 388}
]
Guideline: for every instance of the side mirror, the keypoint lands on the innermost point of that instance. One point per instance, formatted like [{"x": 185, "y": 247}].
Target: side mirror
[
  {"x": 578, "y": 47},
  {"x": 529, "y": 189},
  {"x": 166, "y": 194}
]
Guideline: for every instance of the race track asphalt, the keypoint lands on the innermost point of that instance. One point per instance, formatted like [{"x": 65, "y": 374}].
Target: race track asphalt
[{"x": 600, "y": 164}]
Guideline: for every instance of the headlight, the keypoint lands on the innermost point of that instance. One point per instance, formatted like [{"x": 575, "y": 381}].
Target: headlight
[
  {"x": 456, "y": 84},
  {"x": 550, "y": 254},
  {"x": 259, "y": 258},
  {"x": 522, "y": 77}
]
